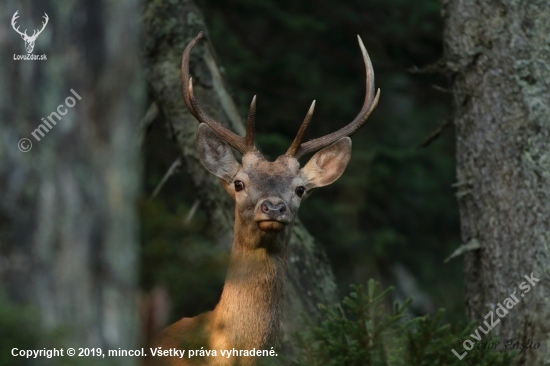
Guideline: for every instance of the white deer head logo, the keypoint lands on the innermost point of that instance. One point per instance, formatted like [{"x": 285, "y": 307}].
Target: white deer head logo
[{"x": 29, "y": 40}]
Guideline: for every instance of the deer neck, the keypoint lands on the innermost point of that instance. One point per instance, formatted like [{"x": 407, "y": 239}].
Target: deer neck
[{"x": 249, "y": 313}]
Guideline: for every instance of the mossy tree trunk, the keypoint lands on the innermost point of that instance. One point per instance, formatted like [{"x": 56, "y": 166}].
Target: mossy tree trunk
[
  {"x": 68, "y": 223},
  {"x": 499, "y": 55},
  {"x": 169, "y": 26}
]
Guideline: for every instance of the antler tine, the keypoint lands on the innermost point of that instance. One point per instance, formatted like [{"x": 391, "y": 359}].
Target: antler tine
[
  {"x": 369, "y": 78},
  {"x": 37, "y": 32},
  {"x": 13, "y": 20},
  {"x": 234, "y": 140},
  {"x": 44, "y": 23},
  {"x": 250, "y": 126},
  {"x": 300, "y": 135},
  {"x": 369, "y": 104}
]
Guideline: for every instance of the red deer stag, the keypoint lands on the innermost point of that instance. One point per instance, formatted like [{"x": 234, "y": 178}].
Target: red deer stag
[{"x": 267, "y": 196}]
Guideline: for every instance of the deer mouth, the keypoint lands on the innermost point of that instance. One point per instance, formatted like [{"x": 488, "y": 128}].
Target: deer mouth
[{"x": 271, "y": 225}]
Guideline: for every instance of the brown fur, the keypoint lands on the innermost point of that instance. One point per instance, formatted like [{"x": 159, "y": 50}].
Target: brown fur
[
  {"x": 267, "y": 197},
  {"x": 249, "y": 313}
]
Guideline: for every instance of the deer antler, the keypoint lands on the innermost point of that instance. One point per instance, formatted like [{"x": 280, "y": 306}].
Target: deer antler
[
  {"x": 250, "y": 126},
  {"x": 239, "y": 143},
  {"x": 13, "y": 19},
  {"x": 299, "y": 136},
  {"x": 35, "y": 34},
  {"x": 298, "y": 149}
]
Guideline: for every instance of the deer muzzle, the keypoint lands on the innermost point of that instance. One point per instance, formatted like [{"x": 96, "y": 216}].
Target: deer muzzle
[{"x": 271, "y": 214}]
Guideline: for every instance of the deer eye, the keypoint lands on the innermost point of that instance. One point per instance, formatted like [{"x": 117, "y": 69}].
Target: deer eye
[
  {"x": 239, "y": 185},
  {"x": 300, "y": 191}
]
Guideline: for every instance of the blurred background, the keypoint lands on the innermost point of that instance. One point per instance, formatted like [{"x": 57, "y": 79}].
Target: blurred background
[
  {"x": 110, "y": 228},
  {"x": 104, "y": 219}
]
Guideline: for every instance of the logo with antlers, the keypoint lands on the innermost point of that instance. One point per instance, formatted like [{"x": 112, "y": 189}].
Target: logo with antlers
[{"x": 29, "y": 40}]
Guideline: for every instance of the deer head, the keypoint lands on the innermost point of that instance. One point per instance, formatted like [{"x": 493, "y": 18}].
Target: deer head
[
  {"x": 29, "y": 40},
  {"x": 268, "y": 194}
]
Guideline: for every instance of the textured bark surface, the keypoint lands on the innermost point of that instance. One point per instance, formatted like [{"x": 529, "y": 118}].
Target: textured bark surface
[
  {"x": 499, "y": 54},
  {"x": 168, "y": 29},
  {"x": 68, "y": 227}
]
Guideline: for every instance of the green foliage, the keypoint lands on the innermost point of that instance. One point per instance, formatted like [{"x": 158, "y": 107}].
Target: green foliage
[
  {"x": 18, "y": 329},
  {"x": 21, "y": 328},
  {"x": 395, "y": 202},
  {"x": 361, "y": 332}
]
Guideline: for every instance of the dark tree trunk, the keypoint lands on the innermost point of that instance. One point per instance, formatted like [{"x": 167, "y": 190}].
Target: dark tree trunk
[
  {"x": 499, "y": 54},
  {"x": 68, "y": 224},
  {"x": 169, "y": 26}
]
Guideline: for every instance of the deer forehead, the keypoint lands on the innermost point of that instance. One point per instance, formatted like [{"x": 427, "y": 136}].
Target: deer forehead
[
  {"x": 270, "y": 175},
  {"x": 254, "y": 162}
]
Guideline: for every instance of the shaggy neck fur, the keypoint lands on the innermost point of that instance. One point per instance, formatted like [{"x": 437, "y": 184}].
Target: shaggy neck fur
[{"x": 249, "y": 313}]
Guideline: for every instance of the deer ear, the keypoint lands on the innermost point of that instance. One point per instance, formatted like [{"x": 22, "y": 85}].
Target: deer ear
[
  {"x": 215, "y": 154},
  {"x": 327, "y": 165}
]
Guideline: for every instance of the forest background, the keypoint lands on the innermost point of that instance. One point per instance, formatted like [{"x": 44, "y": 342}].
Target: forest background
[
  {"x": 92, "y": 217},
  {"x": 393, "y": 215}
]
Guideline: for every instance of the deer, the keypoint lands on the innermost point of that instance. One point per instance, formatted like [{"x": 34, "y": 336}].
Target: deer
[
  {"x": 267, "y": 195},
  {"x": 29, "y": 40}
]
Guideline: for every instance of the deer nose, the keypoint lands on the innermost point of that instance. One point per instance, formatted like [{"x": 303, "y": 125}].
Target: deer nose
[{"x": 273, "y": 207}]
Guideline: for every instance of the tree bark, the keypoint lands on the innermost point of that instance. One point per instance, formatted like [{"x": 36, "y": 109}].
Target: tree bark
[
  {"x": 68, "y": 223},
  {"x": 499, "y": 56},
  {"x": 169, "y": 26}
]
